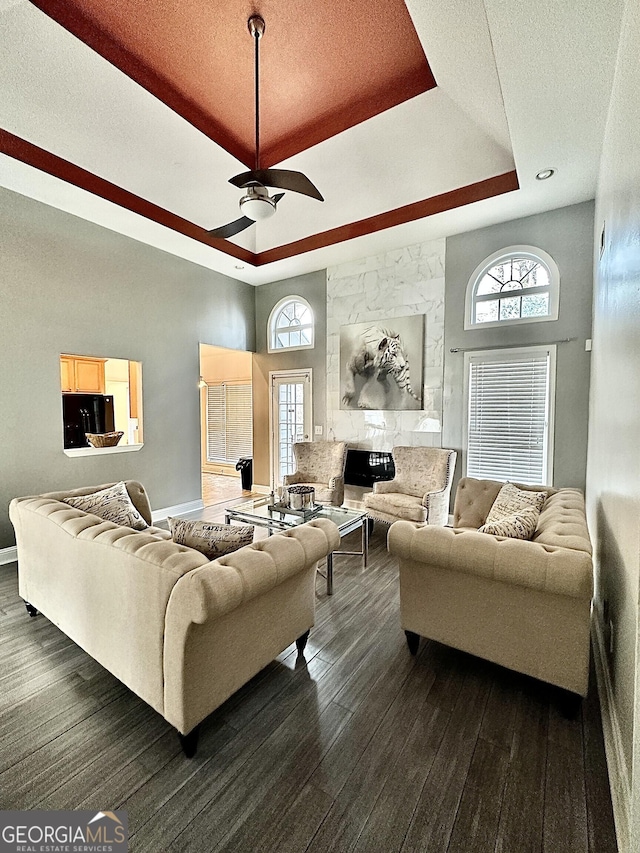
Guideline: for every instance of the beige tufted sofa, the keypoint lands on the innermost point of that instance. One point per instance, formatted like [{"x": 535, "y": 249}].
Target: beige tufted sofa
[
  {"x": 183, "y": 633},
  {"x": 523, "y": 604}
]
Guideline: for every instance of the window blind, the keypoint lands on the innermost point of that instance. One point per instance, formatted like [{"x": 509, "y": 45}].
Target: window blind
[
  {"x": 508, "y": 426},
  {"x": 229, "y": 422}
]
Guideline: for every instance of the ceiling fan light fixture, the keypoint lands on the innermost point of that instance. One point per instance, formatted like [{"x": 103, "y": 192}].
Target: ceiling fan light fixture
[{"x": 257, "y": 204}]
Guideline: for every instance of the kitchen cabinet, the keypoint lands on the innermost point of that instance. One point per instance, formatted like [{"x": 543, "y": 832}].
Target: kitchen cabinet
[{"x": 82, "y": 375}]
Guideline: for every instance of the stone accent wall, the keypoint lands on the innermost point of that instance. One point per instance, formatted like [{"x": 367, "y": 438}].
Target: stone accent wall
[{"x": 377, "y": 289}]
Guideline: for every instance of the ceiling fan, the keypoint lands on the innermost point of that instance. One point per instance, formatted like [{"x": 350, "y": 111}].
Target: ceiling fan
[{"x": 257, "y": 203}]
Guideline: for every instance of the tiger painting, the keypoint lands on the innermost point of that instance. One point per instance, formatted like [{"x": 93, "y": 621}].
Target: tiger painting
[{"x": 378, "y": 357}]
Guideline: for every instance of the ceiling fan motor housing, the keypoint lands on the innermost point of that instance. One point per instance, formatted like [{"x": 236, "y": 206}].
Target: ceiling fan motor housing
[{"x": 257, "y": 204}]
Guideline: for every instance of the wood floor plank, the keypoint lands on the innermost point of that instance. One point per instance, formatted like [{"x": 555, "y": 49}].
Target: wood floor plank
[
  {"x": 435, "y": 813},
  {"x": 23, "y": 718},
  {"x": 565, "y": 806},
  {"x": 478, "y": 814},
  {"x": 180, "y": 803},
  {"x": 292, "y": 830},
  {"x": 357, "y": 797},
  {"x": 69, "y": 715},
  {"x": 35, "y": 677},
  {"x": 334, "y": 771},
  {"x": 521, "y": 816},
  {"x": 132, "y": 775},
  {"x": 389, "y": 821},
  {"x": 35, "y": 777},
  {"x": 262, "y": 820},
  {"x": 303, "y": 732}
]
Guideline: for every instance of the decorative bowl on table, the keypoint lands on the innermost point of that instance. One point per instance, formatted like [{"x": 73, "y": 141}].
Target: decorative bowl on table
[
  {"x": 103, "y": 439},
  {"x": 300, "y": 497}
]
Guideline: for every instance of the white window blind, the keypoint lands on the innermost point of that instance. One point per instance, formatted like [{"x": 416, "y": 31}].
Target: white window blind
[
  {"x": 508, "y": 430},
  {"x": 229, "y": 422}
]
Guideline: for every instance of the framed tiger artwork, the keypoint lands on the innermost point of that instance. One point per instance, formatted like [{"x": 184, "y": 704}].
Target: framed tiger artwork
[{"x": 381, "y": 364}]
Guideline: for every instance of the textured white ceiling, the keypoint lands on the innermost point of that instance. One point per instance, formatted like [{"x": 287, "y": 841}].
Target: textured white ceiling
[{"x": 553, "y": 66}]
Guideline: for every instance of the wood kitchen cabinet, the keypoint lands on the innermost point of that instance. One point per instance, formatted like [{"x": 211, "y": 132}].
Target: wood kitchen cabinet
[{"x": 82, "y": 375}]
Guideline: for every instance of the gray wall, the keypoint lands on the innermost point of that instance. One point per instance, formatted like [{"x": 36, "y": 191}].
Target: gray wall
[
  {"x": 313, "y": 288},
  {"x": 567, "y": 235},
  {"x": 70, "y": 286},
  {"x": 613, "y": 472}
]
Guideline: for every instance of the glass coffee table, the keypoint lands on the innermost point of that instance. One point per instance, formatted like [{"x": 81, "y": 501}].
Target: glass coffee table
[{"x": 261, "y": 513}]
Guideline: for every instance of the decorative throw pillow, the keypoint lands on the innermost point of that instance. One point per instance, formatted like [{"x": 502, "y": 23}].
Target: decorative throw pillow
[
  {"x": 212, "y": 540},
  {"x": 518, "y": 525},
  {"x": 112, "y": 504},
  {"x": 511, "y": 499}
]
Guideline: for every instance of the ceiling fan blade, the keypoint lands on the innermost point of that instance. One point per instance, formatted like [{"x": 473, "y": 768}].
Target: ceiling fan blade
[
  {"x": 232, "y": 228},
  {"x": 283, "y": 179}
]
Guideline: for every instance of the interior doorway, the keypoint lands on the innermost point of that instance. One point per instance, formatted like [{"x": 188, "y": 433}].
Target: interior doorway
[
  {"x": 226, "y": 410},
  {"x": 291, "y": 418}
]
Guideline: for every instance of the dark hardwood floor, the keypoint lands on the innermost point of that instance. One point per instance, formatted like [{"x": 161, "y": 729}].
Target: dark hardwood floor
[{"x": 356, "y": 747}]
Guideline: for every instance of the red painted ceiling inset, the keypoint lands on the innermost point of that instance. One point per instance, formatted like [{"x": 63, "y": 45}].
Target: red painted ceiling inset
[{"x": 325, "y": 66}]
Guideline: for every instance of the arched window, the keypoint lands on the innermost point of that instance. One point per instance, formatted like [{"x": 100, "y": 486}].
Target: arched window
[
  {"x": 290, "y": 325},
  {"x": 519, "y": 284}
]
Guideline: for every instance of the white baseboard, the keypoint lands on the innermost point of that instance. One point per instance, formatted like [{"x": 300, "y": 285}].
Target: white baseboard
[
  {"x": 8, "y": 555},
  {"x": 179, "y": 509},
  {"x": 261, "y": 490},
  {"x": 616, "y": 764}
]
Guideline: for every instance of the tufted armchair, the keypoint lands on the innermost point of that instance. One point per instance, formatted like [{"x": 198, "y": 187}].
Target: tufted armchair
[
  {"x": 420, "y": 489},
  {"x": 320, "y": 464}
]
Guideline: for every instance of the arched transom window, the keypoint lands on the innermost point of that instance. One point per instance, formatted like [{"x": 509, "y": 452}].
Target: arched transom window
[
  {"x": 519, "y": 284},
  {"x": 291, "y": 325}
]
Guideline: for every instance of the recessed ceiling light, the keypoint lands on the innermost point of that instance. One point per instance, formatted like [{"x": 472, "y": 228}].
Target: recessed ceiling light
[
  {"x": 239, "y": 267},
  {"x": 545, "y": 174}
]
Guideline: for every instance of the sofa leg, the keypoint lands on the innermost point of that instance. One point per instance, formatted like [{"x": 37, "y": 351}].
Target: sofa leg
[
  {"x": 31, "y": 610},
  {"x": 413, "y": 641},
  {"x": 570, "y": 705},
  {"x": 189, "y": 742},
  {"x": 301, "y": 642}
]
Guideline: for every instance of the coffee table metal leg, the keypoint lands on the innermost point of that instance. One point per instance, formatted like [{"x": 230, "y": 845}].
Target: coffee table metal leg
[
  {"x": 365, "y": 542},
  {"x": 330, "y": 574}
]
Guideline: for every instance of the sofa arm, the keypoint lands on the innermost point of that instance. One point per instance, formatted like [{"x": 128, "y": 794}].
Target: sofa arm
[
  {"x": 216, "y": 589},
  {"x": 437, "y": 506},
  {"x": 559, "y": 571}
]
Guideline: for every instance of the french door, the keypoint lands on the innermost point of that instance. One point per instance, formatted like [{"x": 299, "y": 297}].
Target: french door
[{"x": 290, "y": 418}]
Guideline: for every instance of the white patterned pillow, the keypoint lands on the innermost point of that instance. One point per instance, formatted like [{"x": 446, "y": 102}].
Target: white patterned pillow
[
  {"x": 511, "y": 499},
  {"x": 519, "y": 525},
  {"x": 212, "y": 540},
  {"x": 112, "y": 504}
]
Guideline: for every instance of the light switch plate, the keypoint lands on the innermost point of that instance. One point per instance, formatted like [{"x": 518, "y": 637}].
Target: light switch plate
[{"x": 317, "y": 430}]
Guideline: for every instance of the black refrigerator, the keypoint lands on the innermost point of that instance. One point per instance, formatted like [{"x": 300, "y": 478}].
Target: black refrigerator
[{"x": 82, "y": 413}]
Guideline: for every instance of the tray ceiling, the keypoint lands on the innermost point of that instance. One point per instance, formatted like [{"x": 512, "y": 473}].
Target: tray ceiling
[{"x": 136, "y": 115}]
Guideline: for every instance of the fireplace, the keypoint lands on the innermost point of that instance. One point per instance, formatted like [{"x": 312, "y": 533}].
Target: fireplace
[{"x": 366, "y": 467}]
